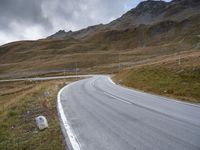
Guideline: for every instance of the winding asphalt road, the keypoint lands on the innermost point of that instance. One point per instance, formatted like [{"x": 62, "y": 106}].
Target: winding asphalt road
[{"x": 104, "y": 116}]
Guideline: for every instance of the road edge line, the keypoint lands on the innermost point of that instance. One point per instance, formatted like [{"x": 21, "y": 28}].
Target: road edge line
[
  {"x": 154, "y": 94},
  {"x": 66, "y": 129}
]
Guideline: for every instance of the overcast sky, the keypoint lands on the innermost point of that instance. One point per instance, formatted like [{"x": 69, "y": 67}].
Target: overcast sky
[{"x": 34, "y": 19}]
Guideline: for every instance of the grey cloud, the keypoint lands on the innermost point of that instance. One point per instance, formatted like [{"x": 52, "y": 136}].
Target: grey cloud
[
  {"x": 77, "y": 14},
  {"x": 25, "y": 12},
  {"x": 32, "y": 19}
]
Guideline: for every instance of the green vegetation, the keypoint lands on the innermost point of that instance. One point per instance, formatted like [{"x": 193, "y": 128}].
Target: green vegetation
[
  {"x": 166, "y": 78},
  {"x": 18, "y": 111}
]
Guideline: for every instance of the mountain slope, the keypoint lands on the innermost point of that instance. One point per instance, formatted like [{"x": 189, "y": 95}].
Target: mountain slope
[
  {"x": 147, "y": 12},
  {"x": 153, "y": 29}
]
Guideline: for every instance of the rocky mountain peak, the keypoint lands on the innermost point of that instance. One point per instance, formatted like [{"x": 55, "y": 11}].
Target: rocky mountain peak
[
  {"x": 149, "y": 6},
  {"x": 147, "y": 12},
  {"x": 61, "y": 31},
  {"x": 186, "y": 2},
  {"x": 59, "y": 34}
]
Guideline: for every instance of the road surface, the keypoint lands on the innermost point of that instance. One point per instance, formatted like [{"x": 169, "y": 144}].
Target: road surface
[
  {"x": 45, "y": 78},
  {"x": 100, "y": 115}
]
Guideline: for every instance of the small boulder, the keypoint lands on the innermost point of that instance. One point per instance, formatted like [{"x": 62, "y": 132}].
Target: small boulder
[{"x": 41, "y": 122}]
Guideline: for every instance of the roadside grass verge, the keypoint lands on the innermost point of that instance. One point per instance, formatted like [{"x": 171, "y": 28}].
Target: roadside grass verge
[
  {"x": 20, "y": 103},
  {"x": 183, "y": 84}
]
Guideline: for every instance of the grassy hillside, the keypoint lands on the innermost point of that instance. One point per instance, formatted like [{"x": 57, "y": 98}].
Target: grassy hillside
[
  {"x": 102, "y": 49},
  {"x": 151, "y": 30},
  {"x": 167, "y": 77}
]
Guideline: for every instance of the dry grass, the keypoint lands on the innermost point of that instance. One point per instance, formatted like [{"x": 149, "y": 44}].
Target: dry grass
[
  {"x": 100, "y": 50},
  {"x": 166, "y": 77},
  {"x": 20, "y": 103}
]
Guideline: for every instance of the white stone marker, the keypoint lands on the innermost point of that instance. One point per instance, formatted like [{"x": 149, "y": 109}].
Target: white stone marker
[{"x": 41, "y": 122}]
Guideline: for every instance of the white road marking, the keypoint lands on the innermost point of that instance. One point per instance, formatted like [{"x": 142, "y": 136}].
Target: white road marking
[
  {"x": 72, "y": 138},
  {"x": 111, "y": 80},
  {"x": 156, "y": 96},
  {"x": 116, "y": 98}
]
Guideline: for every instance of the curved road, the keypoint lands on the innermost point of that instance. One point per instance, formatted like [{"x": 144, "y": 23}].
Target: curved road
[{"x": 104, "y": 116}]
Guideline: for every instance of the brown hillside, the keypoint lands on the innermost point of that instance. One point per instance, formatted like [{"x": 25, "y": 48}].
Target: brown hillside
[{"x": 98, "y": 49}]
